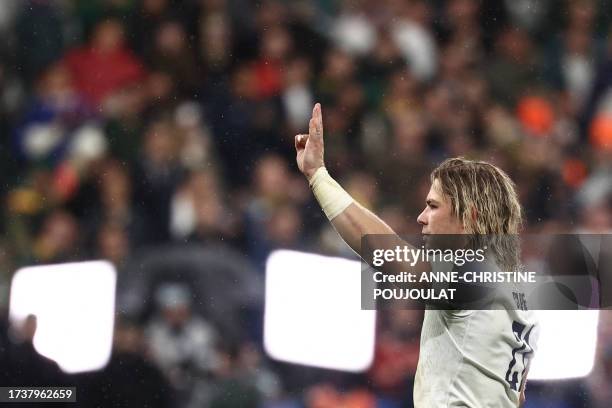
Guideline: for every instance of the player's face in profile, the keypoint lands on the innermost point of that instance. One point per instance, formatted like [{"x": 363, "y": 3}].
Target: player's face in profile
[{"x": 437, "y": 217}]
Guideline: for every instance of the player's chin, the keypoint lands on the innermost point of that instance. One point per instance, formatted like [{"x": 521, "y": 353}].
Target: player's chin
[{"x": 426, "y": 237}]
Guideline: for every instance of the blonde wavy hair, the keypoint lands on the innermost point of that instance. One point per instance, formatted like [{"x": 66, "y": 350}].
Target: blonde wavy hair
[{"x": 484, "y": 198}]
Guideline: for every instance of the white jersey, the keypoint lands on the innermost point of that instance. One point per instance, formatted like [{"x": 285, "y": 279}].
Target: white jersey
[{"x": 474, "y": 358}]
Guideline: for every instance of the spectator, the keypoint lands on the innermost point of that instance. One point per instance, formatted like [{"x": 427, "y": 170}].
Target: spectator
[
  {"x": 233, "y": 389},
  {"x": 271, "y": 219},
  {"x": 129, "y": 378},
  {"x": 182, "y": 344},
  {"x": 172, "y": 55},
  {"x": 58, "y": 240},
  {"x": 115, "y": 203},
  {"x": 25, "y": 364},
  {"x": 514, "y": 67},
  {"x": 105, "y": 65},
  {"x": 197, "y": 211},
  {"x": 158, "y": 172},
  {"x": 113, "y": 244},
  {"x": 53, "y": 118}
]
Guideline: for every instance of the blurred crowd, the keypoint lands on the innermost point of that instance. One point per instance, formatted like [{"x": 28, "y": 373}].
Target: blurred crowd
[{"x": 158, "y": 134}]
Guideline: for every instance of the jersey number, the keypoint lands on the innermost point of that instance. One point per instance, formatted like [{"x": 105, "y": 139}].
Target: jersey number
[{"x": 516, "y": 371}]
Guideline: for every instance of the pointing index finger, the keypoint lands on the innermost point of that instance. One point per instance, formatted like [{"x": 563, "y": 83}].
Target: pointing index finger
[{"x": 318, "y": 120}]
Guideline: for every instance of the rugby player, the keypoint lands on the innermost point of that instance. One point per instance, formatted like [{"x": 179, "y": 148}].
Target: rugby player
[{"x": 468, "y": 358}]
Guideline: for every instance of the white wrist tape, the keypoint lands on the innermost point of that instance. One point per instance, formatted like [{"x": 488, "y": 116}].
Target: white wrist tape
[{"x": 330, "y": 195}]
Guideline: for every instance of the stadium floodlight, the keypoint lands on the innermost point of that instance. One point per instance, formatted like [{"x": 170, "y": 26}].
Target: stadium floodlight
[
  {"x": 74, "y": 304},
  {"x": 313, "y": 312},
  {"x": 567, "y": 344}
]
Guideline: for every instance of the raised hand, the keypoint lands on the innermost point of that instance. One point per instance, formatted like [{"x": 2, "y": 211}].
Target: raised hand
[{"x": 309, "y": 147}]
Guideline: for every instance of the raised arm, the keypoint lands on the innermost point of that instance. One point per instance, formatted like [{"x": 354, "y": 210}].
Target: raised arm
[{"x": 349, "y": 218}]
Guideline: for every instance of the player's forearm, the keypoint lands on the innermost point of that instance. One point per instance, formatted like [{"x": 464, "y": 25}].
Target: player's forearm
[
  {"x": 357, "y": 221},
  {"x": 351, "y": 220}
]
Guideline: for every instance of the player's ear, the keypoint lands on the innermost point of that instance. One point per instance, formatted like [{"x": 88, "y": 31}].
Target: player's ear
[{"x": 473, "y": 214}]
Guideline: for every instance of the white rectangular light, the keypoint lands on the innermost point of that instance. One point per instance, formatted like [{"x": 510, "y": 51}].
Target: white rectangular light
[
  {"x": 567, "y": 344},
  {"x": 313, "y": 312},
  {"x": 74, "y": 304}
]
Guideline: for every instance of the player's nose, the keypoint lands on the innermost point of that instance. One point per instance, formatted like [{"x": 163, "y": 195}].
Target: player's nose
[{"x": 422, "y": 218}]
